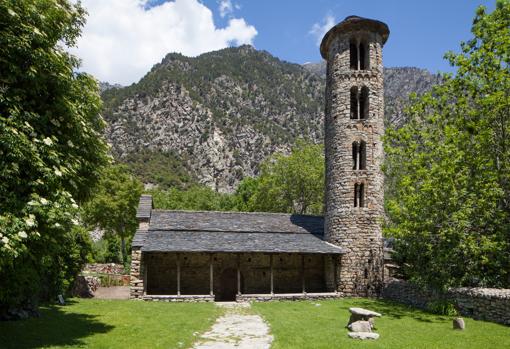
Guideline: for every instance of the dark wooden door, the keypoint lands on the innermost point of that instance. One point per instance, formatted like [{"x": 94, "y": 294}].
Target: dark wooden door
[{"x": 228, "y": 286}]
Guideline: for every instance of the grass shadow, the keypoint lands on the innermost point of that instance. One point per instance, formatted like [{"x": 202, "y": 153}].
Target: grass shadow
[
  {"x": 398, "y": 311},
  {"x": 55, "y": 327}
]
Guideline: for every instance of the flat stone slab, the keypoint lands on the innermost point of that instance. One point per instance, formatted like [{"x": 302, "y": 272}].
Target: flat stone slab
[
  {"x": 364, "y": 312},
  {"x": 363, "y": 335}
]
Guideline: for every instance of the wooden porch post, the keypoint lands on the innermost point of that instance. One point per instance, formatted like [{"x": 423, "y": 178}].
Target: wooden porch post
[
  {"x": 211, "y": 275},
  {"x": 238, "y": 274},
  {"x": 178, "y": 274},
  {"x": 335, "y": 271},
  {"x": 303, "y": 273},
  {"x": 271, "y": 272}
]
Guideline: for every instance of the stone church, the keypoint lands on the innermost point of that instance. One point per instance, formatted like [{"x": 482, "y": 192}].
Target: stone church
[{"x": 206, "y": 256}]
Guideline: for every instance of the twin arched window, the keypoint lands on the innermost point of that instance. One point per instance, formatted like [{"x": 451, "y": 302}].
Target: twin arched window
[
  {"x": 359, "y": 195},
  {"x": 359, "y": 103},
  {"x": 359, "y": 155},
  {"x": 359, "y": 55}
]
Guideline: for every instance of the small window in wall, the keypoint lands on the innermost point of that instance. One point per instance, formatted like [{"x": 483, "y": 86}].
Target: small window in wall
[
  {"x": 359, "y": 103},
  {"x": 362, "y": 56},
  {"x": 359, "y": 55},
  {"x": 359, "y": 195},
  {"x": 354, "y": 102},
  {"x": 363, "y": 103},
  {"x": 363, "y": 155},
  {"x": 353, "y": 50},
  {"x": 359, "y": 155},
  {"x": 355, "y": 155}
]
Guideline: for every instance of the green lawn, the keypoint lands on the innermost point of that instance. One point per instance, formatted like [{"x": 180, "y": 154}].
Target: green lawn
[
  {"x": 305, "y": 325},
  {"x": 110, "y": 324},
  {"x": 302, "y": 325}
]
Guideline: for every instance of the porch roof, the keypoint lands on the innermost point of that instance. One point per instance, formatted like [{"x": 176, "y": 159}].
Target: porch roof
[{"x": 210, "y": 241}]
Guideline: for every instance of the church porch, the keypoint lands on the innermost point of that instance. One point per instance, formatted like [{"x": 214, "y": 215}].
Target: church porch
[{"x": 203, "y": 276}]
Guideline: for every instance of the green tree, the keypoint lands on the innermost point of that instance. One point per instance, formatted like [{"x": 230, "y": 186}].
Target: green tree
[
  {"x": 113, "y": 205},
  {"x": 50, "y": 149},
  {"x": 449, "y": 168},
  {"x": 287, "y": 183},
  {"x": 196, "y": 197}
]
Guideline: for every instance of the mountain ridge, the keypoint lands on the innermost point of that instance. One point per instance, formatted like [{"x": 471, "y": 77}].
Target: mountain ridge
[{"x": 224, "y": 112}]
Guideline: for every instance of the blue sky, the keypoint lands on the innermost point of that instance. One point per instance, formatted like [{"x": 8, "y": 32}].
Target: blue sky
[
  {"x": 421, "y": 31},
  {"x": 123, "y": 39}
]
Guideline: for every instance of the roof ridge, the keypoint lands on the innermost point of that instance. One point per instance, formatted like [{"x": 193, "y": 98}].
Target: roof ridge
[
  {"x": 240, "y": 212},
  {"x": 233, "y": 231}
]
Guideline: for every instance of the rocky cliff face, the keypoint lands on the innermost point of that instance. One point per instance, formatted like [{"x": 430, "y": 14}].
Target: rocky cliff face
[{"x": 224, "y": 112}]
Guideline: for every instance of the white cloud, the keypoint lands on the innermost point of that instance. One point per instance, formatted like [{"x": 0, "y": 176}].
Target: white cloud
[
  {"x": 122, "y": 41},
  {"x": 227, "y": 7},
  {"x": 320, "y": 29}
]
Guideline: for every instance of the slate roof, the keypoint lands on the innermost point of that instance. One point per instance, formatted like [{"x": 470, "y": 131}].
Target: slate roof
[
  {"x": 196, "y": 231},
  {"x": 236, "y": 222},
  {"x": 144, "y": 207}
]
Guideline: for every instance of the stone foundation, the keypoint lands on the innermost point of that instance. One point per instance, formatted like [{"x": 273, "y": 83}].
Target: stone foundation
[
  {"x": 190, "y": 298},
  {"x": 286, "y": 297}
]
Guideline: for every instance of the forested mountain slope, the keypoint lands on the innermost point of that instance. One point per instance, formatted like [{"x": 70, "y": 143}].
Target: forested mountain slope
[{"x": 214, "y": 118}]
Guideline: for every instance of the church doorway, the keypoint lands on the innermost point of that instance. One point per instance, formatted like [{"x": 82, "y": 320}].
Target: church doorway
[{"x": 227, "y": 289}]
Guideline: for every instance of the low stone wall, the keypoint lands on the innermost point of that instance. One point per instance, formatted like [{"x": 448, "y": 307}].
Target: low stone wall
[
  {"x": 104, "y": 268},
  {"x": 404, "y": 292},
  {"x": 488, "y": 304}
]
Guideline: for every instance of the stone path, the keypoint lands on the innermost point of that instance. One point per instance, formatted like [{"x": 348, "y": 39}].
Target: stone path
[
  {"x": 238, "y": 328},
  {"x": 114, "y": 292}
]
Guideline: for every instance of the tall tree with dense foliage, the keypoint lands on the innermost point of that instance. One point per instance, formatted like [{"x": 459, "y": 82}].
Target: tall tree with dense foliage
[
  {"x": 287, "y": 183},
  {"x": 449, "y": 168},
  {"x": 50, "y": 149},
  {"x": 113, "y": 205}
]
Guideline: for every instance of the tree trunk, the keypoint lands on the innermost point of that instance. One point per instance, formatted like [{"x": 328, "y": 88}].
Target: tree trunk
[{"x": 123, "y": 250}]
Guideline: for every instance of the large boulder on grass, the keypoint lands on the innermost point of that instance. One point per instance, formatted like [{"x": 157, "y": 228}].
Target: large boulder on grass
[
  {"x": 458, "y": 324},
  {"x": 360, "y": 326}
]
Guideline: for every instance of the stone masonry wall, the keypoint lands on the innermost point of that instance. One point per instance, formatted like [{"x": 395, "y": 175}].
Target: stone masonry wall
[
  {"x": 136, "y": 274},
  {"x": 479, "y": 303},
  {"x": 356, "y": 229}
]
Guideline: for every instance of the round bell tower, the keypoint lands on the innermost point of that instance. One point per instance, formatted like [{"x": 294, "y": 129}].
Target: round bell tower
[{"x": 354, "y": 126}]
